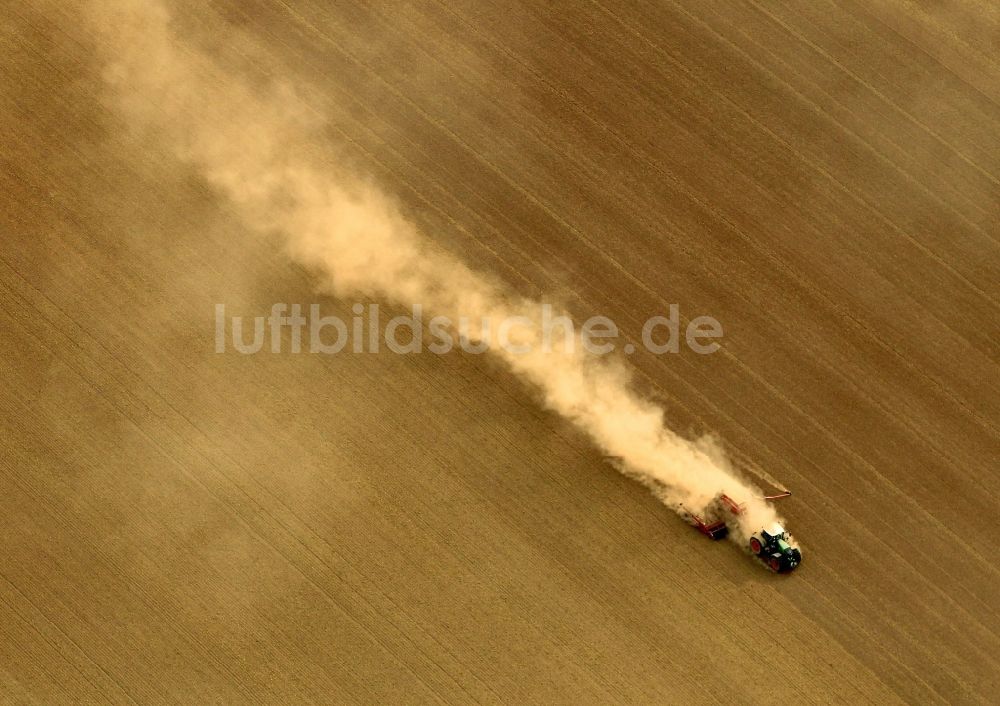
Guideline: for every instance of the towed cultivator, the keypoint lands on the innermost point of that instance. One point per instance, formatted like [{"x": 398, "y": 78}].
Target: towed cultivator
[{"x": 770, "y": 544}]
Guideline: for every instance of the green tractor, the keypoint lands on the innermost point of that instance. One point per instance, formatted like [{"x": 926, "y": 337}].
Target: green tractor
[{"x": 772, "y": 546}]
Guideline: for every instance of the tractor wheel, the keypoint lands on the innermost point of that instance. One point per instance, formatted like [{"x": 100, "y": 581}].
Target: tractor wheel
[
  {"x": 775, "y": 565},
  {"x": 755, "y": 545}
]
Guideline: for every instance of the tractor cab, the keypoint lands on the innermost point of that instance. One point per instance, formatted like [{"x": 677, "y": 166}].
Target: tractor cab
[{"x": 773, "y": 533}]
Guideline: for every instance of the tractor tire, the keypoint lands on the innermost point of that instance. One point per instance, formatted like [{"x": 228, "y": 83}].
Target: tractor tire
[
  {"x": 755, "y": 545},
  {"x": 775, "y": 565}
]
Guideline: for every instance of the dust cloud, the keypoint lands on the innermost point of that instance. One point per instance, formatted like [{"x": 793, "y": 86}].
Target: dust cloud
[{"x": 261, "y": 148}]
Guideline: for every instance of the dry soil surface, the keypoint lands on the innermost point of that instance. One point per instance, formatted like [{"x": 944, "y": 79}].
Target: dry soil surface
[{"x": 821, "y": 176}]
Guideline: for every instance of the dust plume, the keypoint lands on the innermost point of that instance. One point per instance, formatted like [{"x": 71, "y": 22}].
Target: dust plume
[{"x": 259, "y": 147}]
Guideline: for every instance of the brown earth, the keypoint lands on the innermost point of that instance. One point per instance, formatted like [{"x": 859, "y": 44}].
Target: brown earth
[{"x": 819, "y": 175}]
